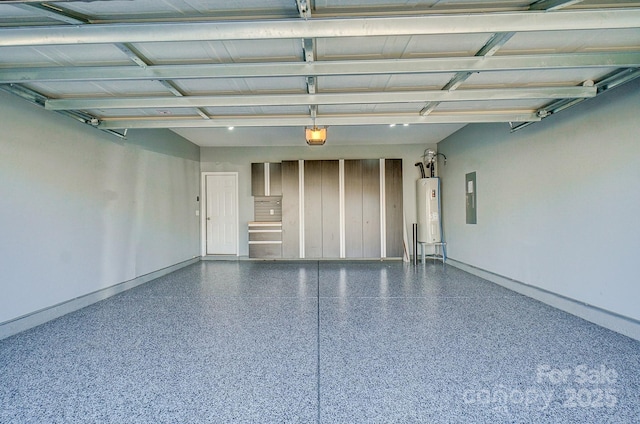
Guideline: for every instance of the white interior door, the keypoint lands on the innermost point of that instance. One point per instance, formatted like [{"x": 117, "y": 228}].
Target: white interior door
[{"x": 221, "y": 214}]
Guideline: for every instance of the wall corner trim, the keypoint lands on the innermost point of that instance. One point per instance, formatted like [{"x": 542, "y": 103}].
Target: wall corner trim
[
  {"x": 607, "y": 319},
  {"x": 25, "y": 322}
]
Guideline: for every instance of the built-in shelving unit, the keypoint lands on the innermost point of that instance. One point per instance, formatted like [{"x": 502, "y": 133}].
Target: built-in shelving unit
[
  {"x": 332, "y": 209},
  {"x": 265, "y": 240}
]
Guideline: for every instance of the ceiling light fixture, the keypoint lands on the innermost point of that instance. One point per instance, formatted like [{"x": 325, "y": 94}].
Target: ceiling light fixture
[{"x": 315, "y": 136}]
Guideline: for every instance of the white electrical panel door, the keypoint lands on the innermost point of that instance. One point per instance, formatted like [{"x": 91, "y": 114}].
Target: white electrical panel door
[{"x": 428, "y": 199}]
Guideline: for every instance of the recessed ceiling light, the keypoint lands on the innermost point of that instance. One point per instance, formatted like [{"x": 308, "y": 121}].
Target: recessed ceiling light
[
  {"x": 392, "y": 125},
  {"x": 405, "y": 125},
  {"x": 230, "y": 128}
]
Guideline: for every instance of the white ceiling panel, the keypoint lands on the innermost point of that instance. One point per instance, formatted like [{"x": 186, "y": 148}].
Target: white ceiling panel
[
  {"x": 341, "y": 109},
  {"x": 272, "y": 84},
  {"x": 124, "y": 9},
  {"x": 370, "y": 108},
  {"x": 355, "y": 83},
  {"x": 242, "y": 85},
  {"x": 417, "y": 81},
  {"x": 572, "y": 41},
  {"x": 367, "y": 3},
  {"x": 534, "y": 79},
  {"x": 102, "y": 88},
  {"x": 162, "y": 113},
  {"x": 434, "y": 6},
  {"x": 400, "y": 47},
  {"x": 99, "y": 54},
  {"x": 493, "y": 105},
  {"x": 221, "y": 51},
  {"x": 258, "y": 110},
  {"x": 361, "y": 48},
  {"x": 8, "y": 12}
]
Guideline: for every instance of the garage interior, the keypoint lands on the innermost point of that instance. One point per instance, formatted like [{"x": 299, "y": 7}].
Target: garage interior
[{"x": 118, "y": 307}]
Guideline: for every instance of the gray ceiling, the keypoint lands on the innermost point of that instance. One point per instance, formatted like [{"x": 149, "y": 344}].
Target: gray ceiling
[{"x": 373, "y": 71}]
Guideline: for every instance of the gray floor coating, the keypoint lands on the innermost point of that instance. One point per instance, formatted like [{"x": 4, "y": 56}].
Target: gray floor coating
[{"x": 305, "y": 342}]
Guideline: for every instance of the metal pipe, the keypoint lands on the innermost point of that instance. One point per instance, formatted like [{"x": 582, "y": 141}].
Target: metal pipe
[{"x": 415, "y": 244}]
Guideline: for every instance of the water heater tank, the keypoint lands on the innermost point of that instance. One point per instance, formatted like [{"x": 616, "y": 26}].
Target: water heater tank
[{"x": 428, "y": 199}]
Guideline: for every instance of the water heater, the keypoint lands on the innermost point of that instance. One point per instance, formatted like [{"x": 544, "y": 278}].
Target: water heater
[{"x": 428, "y": 199}]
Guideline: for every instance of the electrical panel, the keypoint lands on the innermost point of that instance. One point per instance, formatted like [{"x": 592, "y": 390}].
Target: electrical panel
[
  {"x": 471, "y": 198},
  {"x": 428, "y": 199}
]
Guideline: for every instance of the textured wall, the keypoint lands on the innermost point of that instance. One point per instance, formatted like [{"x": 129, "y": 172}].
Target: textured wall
[
  {"x": 558, "y": 202},
  {"x": 81, "y": 210}
]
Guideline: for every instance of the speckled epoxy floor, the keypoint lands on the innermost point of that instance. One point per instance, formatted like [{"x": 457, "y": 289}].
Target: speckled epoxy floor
[{"x": 305, "y": 342}]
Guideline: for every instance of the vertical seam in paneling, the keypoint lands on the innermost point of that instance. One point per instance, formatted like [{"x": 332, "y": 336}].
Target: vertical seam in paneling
[
  {"x": 236, "y": 212},
  {"x": 267, "y": 180},
  {"x": 342, "y": 208},
  {"x": 301, "y": 205},
  {"x": 383, "y": 211},
  {"x": 318, "y": 340}
]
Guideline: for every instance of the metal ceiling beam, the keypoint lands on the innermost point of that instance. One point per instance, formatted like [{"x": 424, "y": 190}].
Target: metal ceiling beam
[
  {"x": 614, "y": 79},
  {"x": 326, "y": 120},
  {"x": 553, "y": 4},
  {"x": 309, "y": 53},
  {"x": 309, "y": 49},
  {"x": 322, "y": 28},
  {"x": 304, "y": 8},
  {"x": 323, "y": 98},
  {"x": 57, "y": 14},
  {"x": 489, "y": 49},
  {"x": 495, "y": 43},
  {"x": 66, "y": 16},
  {"x": 40, "y": 100},
  {"x": 144, "y": 63},
  {"x": 133, "y": 55},
  {"x": 323, "y": 68},
  {"x": 177, "y": 94}
]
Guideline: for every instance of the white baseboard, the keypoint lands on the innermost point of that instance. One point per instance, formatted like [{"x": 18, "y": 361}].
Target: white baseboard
[
  {"x": 607, "y": 319},
  {"x": 25, "y": 322}
]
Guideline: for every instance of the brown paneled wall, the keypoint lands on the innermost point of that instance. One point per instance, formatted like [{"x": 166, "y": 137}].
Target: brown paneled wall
[
  {"x": 321, "y": 206},
  {"x": 353, "y": 217},
  {"x": 330, "y": 209},
  {"x": 393, "y": 207},
  {"x": 313, "y": 209},
  {"x": 371, "y": 239},
  {"x": 290, "y": 209}
]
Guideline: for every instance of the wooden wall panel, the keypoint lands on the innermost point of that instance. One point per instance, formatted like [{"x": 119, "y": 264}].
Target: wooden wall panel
[
  {"x": 275, "y": 178},
  {"x": 322, "y": 207},
  {"x": 265, "y": 251},
  {"x": 313, "y": 208},
  {"x": 330, "y": 209},
  {"x": 290, "y": 210},
  {"x": 257, "y": 179},
  {"x": 267, "y": 209},
  {"x": 353, "y": 209},
  {"x": 393, "y": 207},
  {"x": 371, "y": 208}
]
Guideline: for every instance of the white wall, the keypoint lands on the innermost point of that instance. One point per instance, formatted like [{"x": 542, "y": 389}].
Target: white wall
[
  {"x": 81, "y": 210},
  {"x": 558, "y": 202},
  {"x": 239, "y": 159}
]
